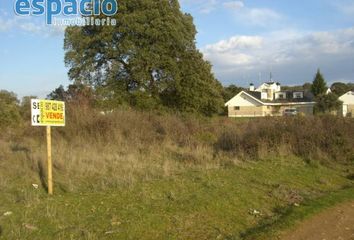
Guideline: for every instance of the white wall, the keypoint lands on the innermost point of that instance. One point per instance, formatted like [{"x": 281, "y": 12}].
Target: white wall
[
  {"x": 243, "y": 100},
  {"x": 348, "y": 98},
  {"x": 274, "y": 87}
]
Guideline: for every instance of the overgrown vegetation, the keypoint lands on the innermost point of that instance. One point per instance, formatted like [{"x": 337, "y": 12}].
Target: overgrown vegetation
[
  {"x": 324, "y": 139},
  {"x": 102, "y": 143},
  {"x": 127, "y": 145},
  {"x": 130, "y": 174},
  {"x": 10, "y": 112}
]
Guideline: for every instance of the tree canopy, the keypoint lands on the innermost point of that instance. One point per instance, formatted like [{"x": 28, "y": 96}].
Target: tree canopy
[
  {"x": 340, "y": 88},
  {"x": 326, "y": 103},
  {"x": 319, "y": 85},
  {"x": 148, "y": 59},
  {"x": 231, "y": 91}
]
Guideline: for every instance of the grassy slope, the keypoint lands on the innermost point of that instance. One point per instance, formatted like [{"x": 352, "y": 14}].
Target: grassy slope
[
  {"x": 196, "y": 204},
  {"x": 289, "y": 217},
  {"x": 134, "y": 175}
]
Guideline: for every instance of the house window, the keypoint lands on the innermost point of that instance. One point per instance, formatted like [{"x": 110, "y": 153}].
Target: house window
[
  {"x": 237, "y": 108},
  {"x": 298, "y": 95},
  {"x": 280, "y": 95}
]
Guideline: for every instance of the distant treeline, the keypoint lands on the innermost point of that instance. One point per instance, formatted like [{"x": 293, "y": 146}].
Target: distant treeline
[{"x": 14, "y": 111}]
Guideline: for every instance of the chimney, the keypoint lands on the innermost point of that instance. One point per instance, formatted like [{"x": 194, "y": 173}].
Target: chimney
[{"x": 252, "y": 87}]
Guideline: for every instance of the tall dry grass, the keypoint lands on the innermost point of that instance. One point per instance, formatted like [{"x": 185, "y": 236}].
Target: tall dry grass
[
  {"x": 98, "y": 151},
  {"x": 326, "y": 138}
]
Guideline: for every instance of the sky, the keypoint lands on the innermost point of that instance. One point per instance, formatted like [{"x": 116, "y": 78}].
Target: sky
[{"x": 243, "y": 40}]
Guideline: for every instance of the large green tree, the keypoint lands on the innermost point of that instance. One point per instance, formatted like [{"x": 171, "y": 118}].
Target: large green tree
[
  {"x": 148, "y": 59},
  {"x": 319, "y": 85}
]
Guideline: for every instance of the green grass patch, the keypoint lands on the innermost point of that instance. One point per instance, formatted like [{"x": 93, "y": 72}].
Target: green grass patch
[
  {"x": 286, "y": 218},
  {"x": 205, "y": 204}
]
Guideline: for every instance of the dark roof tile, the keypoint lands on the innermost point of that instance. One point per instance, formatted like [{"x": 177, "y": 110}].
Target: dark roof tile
[{"x": 308, "y": 97}]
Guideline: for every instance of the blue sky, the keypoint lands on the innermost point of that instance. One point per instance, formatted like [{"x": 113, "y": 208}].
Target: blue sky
[{"x": 244, "y": 41}]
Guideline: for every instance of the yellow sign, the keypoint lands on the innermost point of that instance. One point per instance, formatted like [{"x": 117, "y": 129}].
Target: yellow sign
[{"x": 48, "y": 113}]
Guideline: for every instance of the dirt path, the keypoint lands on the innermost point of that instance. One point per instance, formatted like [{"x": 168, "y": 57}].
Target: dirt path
[{"x": 333, "y": 224}]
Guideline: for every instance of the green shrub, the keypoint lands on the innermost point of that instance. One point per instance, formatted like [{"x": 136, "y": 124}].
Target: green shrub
[{"x": 9, "y": 110}]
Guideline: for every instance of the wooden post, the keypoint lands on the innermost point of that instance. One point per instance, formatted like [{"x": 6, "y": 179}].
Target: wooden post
[{"x": 49, "y": 164}]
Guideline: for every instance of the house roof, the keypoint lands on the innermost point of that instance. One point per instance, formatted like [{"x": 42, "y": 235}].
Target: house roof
[
  {"x": 245, "y": 93},
  {"x": 255, "y": 94},
  {"x": 307, "y": 99}
]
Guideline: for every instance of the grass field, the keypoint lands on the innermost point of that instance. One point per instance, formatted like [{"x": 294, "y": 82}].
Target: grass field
[
  {"x": 142, "y": 176},
  {"x": 213, "y": 204}
]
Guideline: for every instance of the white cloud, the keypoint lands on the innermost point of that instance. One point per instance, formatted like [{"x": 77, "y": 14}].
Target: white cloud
[
  {"x": 236, "y": 42},
  {"x": 208, "y": 6},
  {"x": 29, "y": 25},
  {"x": 202, "y": 6},
  {"x": 235, "y": 5},
  {"x": 292, "y": 55},
  {"x": 4, "y": 13},
  {"x": 242, "y": 13},
  {"x": 252, "y": 16},
  {"x": 6, "y": 24},
  {"x": 345, "y": 7},
  {"x": 259, "y": 16}
]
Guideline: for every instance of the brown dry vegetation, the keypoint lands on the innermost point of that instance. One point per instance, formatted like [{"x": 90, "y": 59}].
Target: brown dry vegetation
[
  {"x": 150, "y": 175},
  {"x": 102, "y": 151}
]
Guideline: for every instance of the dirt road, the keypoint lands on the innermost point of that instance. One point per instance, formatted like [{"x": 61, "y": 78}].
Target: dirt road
[{"x": 333, "y": 224}]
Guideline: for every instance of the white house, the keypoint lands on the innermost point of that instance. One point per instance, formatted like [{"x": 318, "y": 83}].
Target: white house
[
  {"x": 348, "y": 104},
  {"x": 269, "y": 100}
]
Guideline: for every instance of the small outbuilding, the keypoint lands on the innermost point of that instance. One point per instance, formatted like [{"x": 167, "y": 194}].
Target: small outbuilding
[{"x": 348, "y": 104}]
